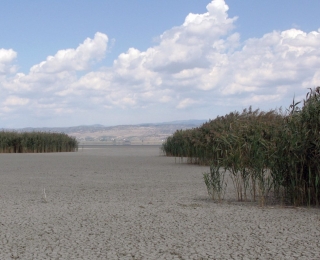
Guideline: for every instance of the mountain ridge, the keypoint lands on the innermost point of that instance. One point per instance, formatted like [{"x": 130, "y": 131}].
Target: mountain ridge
[{"x": 147, "y": 133}]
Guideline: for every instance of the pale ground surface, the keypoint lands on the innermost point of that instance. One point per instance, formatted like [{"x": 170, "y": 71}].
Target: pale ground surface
[{"x": 130, "y": 203}]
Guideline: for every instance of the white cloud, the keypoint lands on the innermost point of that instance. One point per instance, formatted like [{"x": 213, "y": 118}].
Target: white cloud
[
  {"x": 260, "y": 99},
  {"x": 285, "y": 58},
  {"x": 6, "y": 59},
  {"x": 59, "y": 71},
  {"x": 15, "y": 101},
  {"x": 186, "y": 103},
  {"x": 199, "y": 64},
  {"x": 187, "y": 46},
  {"x": 165, "y": 99},
  {"x": 12, "y": 103},
  {"x": 74, "y": 59}
]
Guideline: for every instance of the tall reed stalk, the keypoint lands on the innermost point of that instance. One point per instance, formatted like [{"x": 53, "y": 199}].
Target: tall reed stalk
[
  {"x": 36, "y": 142},
  {"x": 267, "y": 153}
]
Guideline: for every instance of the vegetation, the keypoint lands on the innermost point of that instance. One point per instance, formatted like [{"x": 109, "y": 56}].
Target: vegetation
[
  {"x": 265, "y": 153},
  {"x": 36, "y": 142}
]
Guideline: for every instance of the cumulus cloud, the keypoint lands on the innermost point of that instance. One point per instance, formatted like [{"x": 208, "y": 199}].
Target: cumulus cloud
[
  {"x": 187, "y": 46},
  {"x": 74, "y": 59},
  {"x": 279, "y": 59},
  {"x": 60, "y": 68},
  {"x": 199, "y": 64},
  {"x": 6, "y": 59}
]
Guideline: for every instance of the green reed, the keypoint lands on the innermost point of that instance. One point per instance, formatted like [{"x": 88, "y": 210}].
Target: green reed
[
  {"x": 274, "y": 154},
  {"x": 36, "y": 142}
]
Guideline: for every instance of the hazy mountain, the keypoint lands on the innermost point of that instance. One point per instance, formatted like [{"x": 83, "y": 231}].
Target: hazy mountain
[{"x": 140, "y": 134}]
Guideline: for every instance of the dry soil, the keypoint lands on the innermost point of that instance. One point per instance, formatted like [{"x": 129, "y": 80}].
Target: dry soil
[{"x": 129, "y": 202}]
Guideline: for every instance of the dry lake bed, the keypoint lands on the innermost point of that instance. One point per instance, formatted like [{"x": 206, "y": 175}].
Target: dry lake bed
[{"x": 129, "y": 202}]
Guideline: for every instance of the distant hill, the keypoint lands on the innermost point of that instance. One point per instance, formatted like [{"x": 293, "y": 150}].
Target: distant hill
[
  {"x": 195, "y": 122},
  {"x": 152, "y": 133}
]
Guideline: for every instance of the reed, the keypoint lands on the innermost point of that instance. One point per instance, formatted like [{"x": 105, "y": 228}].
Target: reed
[
  {"x": 265, "y": 153},
  {"x": 36, "y": 142}
]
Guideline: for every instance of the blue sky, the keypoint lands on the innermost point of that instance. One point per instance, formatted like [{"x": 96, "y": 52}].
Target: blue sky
[{"x": 65, "y": 63}]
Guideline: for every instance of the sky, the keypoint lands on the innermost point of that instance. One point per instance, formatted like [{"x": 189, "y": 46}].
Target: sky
[{"x": 120, "y": 62}]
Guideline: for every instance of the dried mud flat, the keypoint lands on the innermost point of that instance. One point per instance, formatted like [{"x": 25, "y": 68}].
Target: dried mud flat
[{"x": 131, "y": 203}]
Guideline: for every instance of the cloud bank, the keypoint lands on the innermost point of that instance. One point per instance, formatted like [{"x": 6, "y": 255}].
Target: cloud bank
[{"x": 201, "y": 66}]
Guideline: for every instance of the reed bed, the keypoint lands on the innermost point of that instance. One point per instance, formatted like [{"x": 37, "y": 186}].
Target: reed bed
[
  {"x": 36, "y": 142},
  {"x": 274, "y": 154}
]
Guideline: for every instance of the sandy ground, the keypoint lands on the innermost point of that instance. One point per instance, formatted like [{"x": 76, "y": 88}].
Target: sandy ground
[{"x": 130, "y": 203}]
